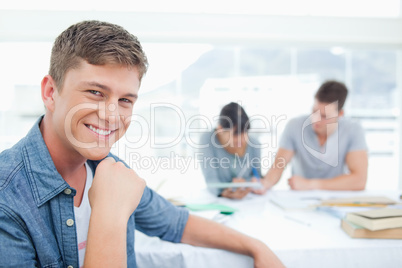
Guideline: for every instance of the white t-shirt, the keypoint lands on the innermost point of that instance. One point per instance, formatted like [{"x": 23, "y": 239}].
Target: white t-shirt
[{"x": 82, "y": 215}]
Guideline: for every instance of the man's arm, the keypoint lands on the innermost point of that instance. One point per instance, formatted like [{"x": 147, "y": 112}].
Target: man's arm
[
  {"x": 282, "y": 158},
  {"x": 357, "y": 162},
  {"x": 115, "y": 193},
  {"x": 205, "y": 233}
]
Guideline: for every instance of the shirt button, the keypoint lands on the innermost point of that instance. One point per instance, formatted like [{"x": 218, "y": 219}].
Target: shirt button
[
  {"x": 70, "y": 266},
  {"x": 70, "y": 222},
  {"x": 67, "y": 191}
]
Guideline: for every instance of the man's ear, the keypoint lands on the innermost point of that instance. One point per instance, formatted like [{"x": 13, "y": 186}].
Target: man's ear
[
  {"x": 48, "y": 90},
  {"x": 341, "y": 113}
]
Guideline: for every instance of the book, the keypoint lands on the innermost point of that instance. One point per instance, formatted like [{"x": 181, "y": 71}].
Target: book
[
  {"x": 356, "y": 231},
  {"x": 363, "y": 201},
  {"x": 377, "y": 219}
]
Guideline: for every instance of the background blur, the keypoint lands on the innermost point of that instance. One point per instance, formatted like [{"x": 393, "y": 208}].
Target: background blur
[{"x": 270, "y": 56}]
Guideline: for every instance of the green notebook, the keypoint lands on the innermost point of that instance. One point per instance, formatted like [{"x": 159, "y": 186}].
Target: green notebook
[{"x": 201, "y": 207}]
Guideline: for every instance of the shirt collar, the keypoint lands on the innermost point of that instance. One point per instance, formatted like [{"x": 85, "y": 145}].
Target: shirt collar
[
  {"x": 46, "y": 182},
  {"x": 43, "y": 177}
]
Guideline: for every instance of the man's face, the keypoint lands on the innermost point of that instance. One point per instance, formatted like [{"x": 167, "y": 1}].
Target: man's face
[
  {"x": 93, "y": 110},
  {"x": 324, "y": 117}
]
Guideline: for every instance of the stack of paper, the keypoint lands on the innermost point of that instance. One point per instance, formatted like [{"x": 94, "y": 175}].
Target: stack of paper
[
  {"x": 340, "y": 207},
  {"x": 294, "y": 203},
  {"x": 359, "y": 201}
]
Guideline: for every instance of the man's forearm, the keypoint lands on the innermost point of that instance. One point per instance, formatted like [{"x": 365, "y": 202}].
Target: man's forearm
[
  {"x": 272, "y": 177},
  {"x": 274, "y": 174},
  {"x": 112, "y": 203},
  {"x": 347, "y": 182},
  {"x": 106, "y": 242},
  {"x": 205, "y": 233}
]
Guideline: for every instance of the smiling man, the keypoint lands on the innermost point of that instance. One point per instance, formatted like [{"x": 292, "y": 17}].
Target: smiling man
[
  {"x": 65, "y": 201},
  {"x": 327, "y": 150}
]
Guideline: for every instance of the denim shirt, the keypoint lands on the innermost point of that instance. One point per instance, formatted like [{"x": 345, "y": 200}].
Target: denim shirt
[{"x": 37, "y": 224}]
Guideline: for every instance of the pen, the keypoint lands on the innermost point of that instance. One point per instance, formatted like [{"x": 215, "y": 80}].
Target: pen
[
  {"x": 255, "y": 173},
  {"x": 297, "y": 220}
]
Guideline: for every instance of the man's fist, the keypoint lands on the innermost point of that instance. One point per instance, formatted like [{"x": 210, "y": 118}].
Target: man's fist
[{"x": 116, "y": 189}]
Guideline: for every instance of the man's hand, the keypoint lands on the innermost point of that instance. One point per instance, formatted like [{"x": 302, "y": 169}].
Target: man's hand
[
  {"x": 265, "y": 186},
  {"x": 301, "y": 183},
  {"x": 237, "y": 193},
  {"x": 116, "y": 189}
]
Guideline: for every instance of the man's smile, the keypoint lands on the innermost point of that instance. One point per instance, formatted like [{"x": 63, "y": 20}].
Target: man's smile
[{"x": 99, "y": 131}]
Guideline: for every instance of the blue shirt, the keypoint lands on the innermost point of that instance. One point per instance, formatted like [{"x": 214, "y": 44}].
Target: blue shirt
[
  {"x": 37, "y": 224},
  {"x": 218, "y": 165},
  {"x": 311, "y": 160}
]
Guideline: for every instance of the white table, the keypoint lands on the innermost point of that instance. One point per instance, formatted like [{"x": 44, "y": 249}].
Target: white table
[{"x": 300, "y": 238}]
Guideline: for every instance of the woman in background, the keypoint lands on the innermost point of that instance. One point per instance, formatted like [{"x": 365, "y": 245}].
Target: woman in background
[{"x": 230, "y": 154}]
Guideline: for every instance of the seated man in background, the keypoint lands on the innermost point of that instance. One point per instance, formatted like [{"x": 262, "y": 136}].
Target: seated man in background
[
  {"x": 229, "y": 153},
  {"x": 328, "y": 151},
  {"x": 65, "y": 201}
]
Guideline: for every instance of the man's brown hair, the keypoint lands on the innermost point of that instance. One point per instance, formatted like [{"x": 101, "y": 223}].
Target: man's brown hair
[
  {"x": 97, "y": 43},
  {"x": 332, "y": 91}
]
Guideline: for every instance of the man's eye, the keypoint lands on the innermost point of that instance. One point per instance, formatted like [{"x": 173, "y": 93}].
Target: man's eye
[
  {"x": 125, "y": 100},
  {"x": 95, "y": 92}
]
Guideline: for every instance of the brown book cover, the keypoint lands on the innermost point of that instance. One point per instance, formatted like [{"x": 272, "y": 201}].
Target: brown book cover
[{"x": 356, "y": 231}]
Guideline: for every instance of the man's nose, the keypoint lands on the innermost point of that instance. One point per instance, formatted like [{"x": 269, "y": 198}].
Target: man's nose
[{"x": 109, "y": 112}]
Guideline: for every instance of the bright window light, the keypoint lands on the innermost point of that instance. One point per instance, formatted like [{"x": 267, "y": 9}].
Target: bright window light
[{"x": 344, "y": 8}]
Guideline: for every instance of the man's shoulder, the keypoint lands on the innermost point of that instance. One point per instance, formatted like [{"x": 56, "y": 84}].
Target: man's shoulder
[
  {"x": 297, "y": 123},
  {"x": 94, "y": 163},
  {"x": 347, "y": 121},
  {"x": 349, "y": 125},
  {"x": 299, "y": 119},
  {"x": 118, "y": 159},
  {"x": 10, "y": 162},
  {"x": 13, "y": 176}
]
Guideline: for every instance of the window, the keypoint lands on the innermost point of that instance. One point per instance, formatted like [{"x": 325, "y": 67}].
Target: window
[
  {"x": 196, "y": 69},
  {"x": 248, "y": 75}
]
